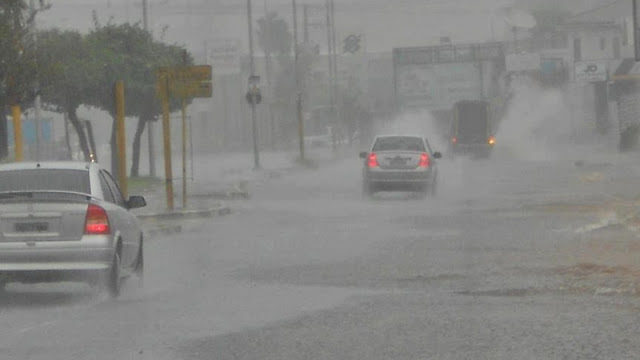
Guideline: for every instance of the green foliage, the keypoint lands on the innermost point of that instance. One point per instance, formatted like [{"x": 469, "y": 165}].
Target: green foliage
[
  {"x": 127, "y": 52},
  {"x": 17, "y": 57},
  {"x": 66, "y": 69},
  {"x": 274, "y": 36}
]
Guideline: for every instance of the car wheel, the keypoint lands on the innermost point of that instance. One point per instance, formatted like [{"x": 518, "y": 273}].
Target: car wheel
[
  {"x": 113, "y": 278},
  {"x": 433, "y": 188}
]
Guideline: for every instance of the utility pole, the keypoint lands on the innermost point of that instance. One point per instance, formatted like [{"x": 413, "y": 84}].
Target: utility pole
[
  {"x": 254, "y": 125},
  {"x": 268, "y": 68},
  {"x": 335, "y": 67},
  {"x": 332, "y": 100},
  {"x": 305, "y": 19},
  {"x": 297, "y": 76},
  {"x": 36, "y": 104},
  {"x": 152, "y": 156}
]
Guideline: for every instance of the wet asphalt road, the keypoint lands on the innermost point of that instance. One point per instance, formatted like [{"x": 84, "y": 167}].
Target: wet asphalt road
[{"x": 512, "y": 260}]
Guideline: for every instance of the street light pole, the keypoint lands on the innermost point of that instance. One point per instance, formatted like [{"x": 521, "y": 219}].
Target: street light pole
[
  {"x": 336, "y": 95},
  {"x": 152, "y": 157},
  {"x": 332, "y": 99},
  {"x": 256, "y": 153},
  {"x": 297, "y": 77}
]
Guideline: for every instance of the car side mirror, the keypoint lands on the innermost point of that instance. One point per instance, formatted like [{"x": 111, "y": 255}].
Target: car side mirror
[
  {"x": 363, "y": 155},
  {"x": 135, "y": 202},
  {"x": 437, "y": 155}
]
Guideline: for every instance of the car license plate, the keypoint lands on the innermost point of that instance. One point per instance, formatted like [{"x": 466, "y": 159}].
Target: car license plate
[
  {"x": 32, "y": 227},
  {"x": 398, "y": 162}
]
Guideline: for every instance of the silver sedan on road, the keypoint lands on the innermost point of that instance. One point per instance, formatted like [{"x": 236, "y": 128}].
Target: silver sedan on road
[
  {"x": 400, "y": 163},
  {"x": 67, "y": 221}
]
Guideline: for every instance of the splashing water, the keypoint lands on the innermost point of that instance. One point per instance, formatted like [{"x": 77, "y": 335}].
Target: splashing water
[{"x": 537, "y": 124}]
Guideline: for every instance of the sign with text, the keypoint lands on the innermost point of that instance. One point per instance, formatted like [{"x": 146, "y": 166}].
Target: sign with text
[
  {"x": 186, "y": 81},
  {"x": 591, "y": 71}
]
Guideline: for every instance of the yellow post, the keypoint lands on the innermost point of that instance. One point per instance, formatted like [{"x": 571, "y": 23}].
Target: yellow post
[
  {"x": 16, "y": 113},
  {"x": 120, "y": 139},
  {"x": 184, "y": 153},
  {"x": 166, "y": 132}
]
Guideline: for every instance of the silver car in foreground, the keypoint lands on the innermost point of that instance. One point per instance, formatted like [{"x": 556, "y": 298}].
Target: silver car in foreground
[
  {"x": 67, "y": 221},
  {"x": 400, "y": 163}
]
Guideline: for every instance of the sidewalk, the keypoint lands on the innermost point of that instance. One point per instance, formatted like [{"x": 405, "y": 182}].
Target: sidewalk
[{"x": 214, "y": 181}]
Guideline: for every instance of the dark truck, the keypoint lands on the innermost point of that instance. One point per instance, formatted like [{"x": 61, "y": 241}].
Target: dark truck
[{"x": 471, "y": 130}]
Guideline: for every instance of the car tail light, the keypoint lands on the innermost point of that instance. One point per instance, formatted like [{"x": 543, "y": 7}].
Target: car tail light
[
  {"x": 373, "y": 160},
  {"x": 492, "y": 140},
  {"x": 454, "y": 140},
  {"x": 424, "y": 160},
  {"x": 97, "y": 221}
]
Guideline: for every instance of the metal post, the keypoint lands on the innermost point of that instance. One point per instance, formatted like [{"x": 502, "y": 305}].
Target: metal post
[
  {"x": 267, "y": 60},
  {"x": 337, "y": 129},
  {"x": 16, "y": 114},
  {"x": 297, "y": 77},
  {"x": 150, "y": 126},
  {"x": 254, "y": 125},
  {"x": 332, "y": 100},
  {"x": 305, "y": 19},
  {"x": 120, "y": 138},
  {"x": 636, "y": 32},
  {"x": 166, "y": 131},
  {"x": 184, "y": 153}
]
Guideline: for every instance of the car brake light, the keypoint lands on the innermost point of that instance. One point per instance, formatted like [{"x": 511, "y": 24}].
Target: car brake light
[
  {"x": 454, "y": 140},
  {"x": 373, "y": 160},
  {"x": 424, "y": 160},
  {"x": 492, "y": 140},
  {"x": 97, "y": 221}
]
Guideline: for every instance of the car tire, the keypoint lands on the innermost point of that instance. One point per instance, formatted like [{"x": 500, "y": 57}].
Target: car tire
[{"x": 113, "y": 281}]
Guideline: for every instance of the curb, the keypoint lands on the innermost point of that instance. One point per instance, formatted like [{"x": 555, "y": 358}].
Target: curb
[
  {"x": 186, "y": 214},
  {"x": 170, "y": 229}
]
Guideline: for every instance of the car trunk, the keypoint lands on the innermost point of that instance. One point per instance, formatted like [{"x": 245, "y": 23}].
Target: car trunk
[
  {"x": 42, "y": 221},
  {"x": 399, "y": 160}
]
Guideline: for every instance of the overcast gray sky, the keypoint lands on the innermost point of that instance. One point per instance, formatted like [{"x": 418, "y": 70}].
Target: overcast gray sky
[{"x": 384, "y": 23}]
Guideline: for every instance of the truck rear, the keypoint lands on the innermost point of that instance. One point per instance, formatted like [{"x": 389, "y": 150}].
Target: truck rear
[{"x": 471, "y": 131}]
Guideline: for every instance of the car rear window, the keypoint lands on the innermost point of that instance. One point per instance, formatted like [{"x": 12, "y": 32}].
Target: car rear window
[
  {"x": 402, "y": 143},
  {"x": 45, "y": 180}
]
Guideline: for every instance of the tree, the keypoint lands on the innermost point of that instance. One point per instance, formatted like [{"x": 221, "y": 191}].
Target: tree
[
  {"x": 274, "y": 36},
  {"x": 127, "y": 52},
  {"x": 67, "y": 75},
  {"x": 17, "y": 61}
]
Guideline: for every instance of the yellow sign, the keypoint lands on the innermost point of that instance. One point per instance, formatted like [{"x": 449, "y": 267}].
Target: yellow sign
[
  {"x": 185, "y": 81},
  {"x": 193, "y": 89},
  {"x": 187, "y": 73}
]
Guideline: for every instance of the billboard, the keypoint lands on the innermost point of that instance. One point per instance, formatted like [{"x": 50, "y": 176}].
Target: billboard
[
  {"x": 435, "y": 77},
  {"x": 438, "y": 86}
]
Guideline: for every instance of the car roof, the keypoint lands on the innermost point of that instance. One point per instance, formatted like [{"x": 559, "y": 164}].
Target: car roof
[
  {"x": 400, "y": 135},
  {"x": 68, "y": 165}
]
